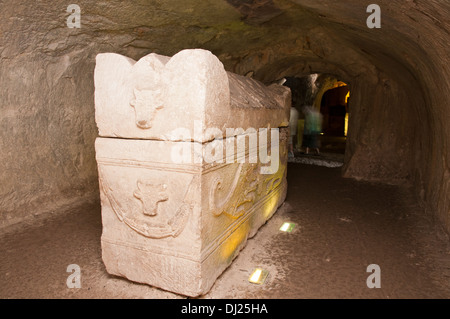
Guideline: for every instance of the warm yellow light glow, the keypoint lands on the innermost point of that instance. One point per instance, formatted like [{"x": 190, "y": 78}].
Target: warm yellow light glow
[
  {"x": 285, "y": 227},
  {"x": 231, "y": 246},
  {"x": 346, "y": 124},
  {"x": 339, "y": 84},
  {"x": 270, "y": 206},
  {"x": 256, "y": 275},
  {"x": 347, "y": 96}
]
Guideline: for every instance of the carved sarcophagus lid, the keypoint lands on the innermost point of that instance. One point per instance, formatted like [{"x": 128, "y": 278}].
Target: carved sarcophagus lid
[
  {"x": 156, "y": 96},
  {"x": 187, "y": 168}
]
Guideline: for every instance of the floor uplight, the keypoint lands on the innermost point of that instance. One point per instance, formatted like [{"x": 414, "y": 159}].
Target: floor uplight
[
  {"x": 287, "y": 227},
  {"x": 258, "y": 276}
]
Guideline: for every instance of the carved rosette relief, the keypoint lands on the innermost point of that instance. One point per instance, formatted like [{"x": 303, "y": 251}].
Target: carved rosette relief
[{"x": 150, "y": 195}]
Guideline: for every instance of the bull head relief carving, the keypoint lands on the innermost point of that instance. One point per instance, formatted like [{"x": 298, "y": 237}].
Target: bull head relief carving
[
  {"x": 146, "y": 104},
  {"x": 151, "y": 195}
]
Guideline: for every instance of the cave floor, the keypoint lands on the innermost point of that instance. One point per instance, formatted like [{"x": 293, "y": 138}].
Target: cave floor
[{"x": 342, "y": 227}]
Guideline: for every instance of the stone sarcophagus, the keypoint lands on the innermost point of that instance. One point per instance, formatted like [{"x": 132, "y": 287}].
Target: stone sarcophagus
[{"x": 192, "y": 161}]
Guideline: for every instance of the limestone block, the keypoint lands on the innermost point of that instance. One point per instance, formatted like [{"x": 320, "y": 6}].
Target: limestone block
[
  {"x": 178, "y": 226},
  {"x": 157, "y": 95},
  {"x": 196, "y": 172}
]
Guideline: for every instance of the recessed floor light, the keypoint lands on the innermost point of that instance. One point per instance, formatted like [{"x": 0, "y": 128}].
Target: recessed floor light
[
  {"x": 258, "y": 276},
  {"x": 287, "y": 227}
]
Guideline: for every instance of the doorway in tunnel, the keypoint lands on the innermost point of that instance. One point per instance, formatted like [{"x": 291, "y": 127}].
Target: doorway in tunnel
[
  {"x": 334, "y": 108},
  {"x": 327, "y": 96}
]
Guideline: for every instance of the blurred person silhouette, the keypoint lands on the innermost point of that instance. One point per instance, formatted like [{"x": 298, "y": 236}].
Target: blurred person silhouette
[
  {"x": 293, "y": 123},
  {"x": 312, "y": 130}
]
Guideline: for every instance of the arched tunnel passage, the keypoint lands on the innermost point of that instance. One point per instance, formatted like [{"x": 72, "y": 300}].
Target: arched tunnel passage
[
  {"x": 334, "y": 106},
  {"x": 398, "y": 129},
  {"x": 329, "y": 96}
]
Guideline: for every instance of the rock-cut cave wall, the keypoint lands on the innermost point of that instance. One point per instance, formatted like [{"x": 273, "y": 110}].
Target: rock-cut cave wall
[{"x": 398, "y": 75}]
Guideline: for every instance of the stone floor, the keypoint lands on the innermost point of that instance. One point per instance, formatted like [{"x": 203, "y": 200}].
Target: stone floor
[
  {"x": 331, "y": 160},
  {"x": 342, "y": 227}
]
